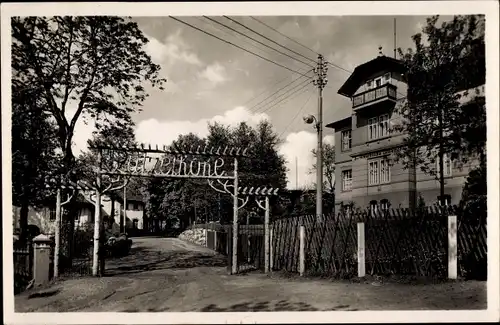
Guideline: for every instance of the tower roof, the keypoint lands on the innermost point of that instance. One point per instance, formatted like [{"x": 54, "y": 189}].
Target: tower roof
[{"x": 365, "y": 70}]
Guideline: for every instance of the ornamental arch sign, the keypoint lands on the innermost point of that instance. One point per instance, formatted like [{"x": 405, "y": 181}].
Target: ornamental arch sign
[{"x": 210, "y": 163}]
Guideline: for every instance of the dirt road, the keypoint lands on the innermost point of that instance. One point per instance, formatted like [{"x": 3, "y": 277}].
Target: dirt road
[{"x": 166, "y": 274}]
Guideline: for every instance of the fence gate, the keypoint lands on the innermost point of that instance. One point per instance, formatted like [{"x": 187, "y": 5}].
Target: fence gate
[{"x": 251, "y": 255}]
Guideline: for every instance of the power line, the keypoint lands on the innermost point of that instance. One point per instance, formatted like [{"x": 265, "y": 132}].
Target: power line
[
  {"x": 296, "y": 115},
  {"x": 253, "y": 45},
  {"x": 297, "y": 92},
  {"x": 230, "y": 34},
  {"x": 250, "y": 29},
  {"x": 277, "y": 91},
  {"x": 266, "y": 90},
  {"x": 291, "y": 39},
  {"x": 253, "y": 39},
  {"x": 241, "y": 48},
  {"x": 339, "y": 67}
]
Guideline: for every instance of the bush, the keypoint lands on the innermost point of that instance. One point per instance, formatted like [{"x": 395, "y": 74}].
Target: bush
[
  {"x": 473, "y": 211},
  {"x": 118, "y": 246}
]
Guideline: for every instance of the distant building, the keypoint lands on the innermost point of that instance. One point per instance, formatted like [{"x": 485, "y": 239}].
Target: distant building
[
  {"x": 44, "y": 217},
  {"x": 111, "y": 205},
  {"x": 367, "y": 174},
  {"x": 135, "y": 214}
]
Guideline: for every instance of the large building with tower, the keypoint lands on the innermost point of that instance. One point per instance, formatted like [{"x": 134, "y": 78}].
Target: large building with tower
[{"x": 366, "y": 172}]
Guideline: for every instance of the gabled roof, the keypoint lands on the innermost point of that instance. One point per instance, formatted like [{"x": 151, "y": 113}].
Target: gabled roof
[
  {"x": 365, "y": 70},
  {"x": 346, "y": 121},
  {"x": 130, "y": 197}
]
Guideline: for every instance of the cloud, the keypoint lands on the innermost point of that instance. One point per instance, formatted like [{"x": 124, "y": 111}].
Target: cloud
[
  {"x": 152, "y": 131},
  {"x": 173, "y": 50},
  {"x": 214, "y": 73},
  {"x": 297, "y": 150},
  {"x": 298, "y": 144},
  {"x": 155, "y": 132}
]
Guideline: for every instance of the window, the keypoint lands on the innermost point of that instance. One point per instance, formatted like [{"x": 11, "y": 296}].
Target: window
[
  {"x": 373, "y": 172},
  {"x": 136, "y": 206},
  {"x": 378, "y": 127},
  {"x": 378, "y": 82},
  {"x": 385, "y": 172},
  {"x": 383, "y": 123},
  {"x": 346, "y": 140},
  {"x": 379, "y": 171},
  {"x": 346, "y": 180},
  {"x": 372, "y": 128},
  {"x": 369, "y": 84},
  {"x": 447, "y": 166}
]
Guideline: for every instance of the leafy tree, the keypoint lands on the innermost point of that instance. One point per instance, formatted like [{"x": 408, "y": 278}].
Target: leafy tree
[
  {"x": 87, "y": 67},
  {"x": 33, "y": 151},
  {"x": 110, "y": 135},
  {"x": 474, "y": 195},
  {"x": 328, "y": 167},
  {"x": 94, "y": 66},
  {"x": 328, "y": 176},
  {"x": 183, "y": 198},
  {"x": 438, "y": 70}
]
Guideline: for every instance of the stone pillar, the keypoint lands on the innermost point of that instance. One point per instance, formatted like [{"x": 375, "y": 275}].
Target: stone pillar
[{"x": 41, "y": 261}]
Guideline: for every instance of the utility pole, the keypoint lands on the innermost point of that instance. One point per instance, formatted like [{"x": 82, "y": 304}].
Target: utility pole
[
  {"x": 320, "y": 81},
  {"x": 395, "y": 49}
]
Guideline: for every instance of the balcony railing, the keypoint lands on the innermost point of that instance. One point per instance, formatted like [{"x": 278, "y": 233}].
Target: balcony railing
[{"x": 384, "y": 91}]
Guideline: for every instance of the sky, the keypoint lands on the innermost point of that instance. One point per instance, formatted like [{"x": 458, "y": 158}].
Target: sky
[{"x": 210, "y": 80}]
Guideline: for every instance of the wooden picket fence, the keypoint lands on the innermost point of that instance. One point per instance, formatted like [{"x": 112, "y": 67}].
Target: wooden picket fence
[{"x": 397, "y": 241}]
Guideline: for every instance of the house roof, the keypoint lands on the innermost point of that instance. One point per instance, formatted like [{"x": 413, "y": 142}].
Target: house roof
[
  {"x": 346, "y": 121},
  {"x": 365, "y": 70},
  {"x": 130, "y": 197}
]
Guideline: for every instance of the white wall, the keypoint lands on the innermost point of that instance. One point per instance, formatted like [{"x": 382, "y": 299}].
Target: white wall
[
  {"x": 41, "y": 218},
  {"x": 136, "y": 214}
]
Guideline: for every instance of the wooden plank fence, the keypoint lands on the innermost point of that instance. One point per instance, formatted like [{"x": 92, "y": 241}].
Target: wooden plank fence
[{"x": 396, "y": 241}]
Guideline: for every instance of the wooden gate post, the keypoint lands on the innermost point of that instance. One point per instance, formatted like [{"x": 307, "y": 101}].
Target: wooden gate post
[
  {"x": 302, "y": 250},
  {"x": 266, "y": 237},
  {"x": 361, "y": 250},
  {"x": 271, "y": 248},
  {"x": 452, "y": 248},
  {"x": 229, "y": 249}
]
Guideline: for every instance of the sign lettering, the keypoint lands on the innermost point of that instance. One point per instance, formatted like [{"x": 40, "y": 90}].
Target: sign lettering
[{"x": 169, "y": 165}]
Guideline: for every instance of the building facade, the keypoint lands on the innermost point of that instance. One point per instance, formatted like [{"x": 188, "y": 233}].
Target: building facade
[{"x": 367, "y": 173}]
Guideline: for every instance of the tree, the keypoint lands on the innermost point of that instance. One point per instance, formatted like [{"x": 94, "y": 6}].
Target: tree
[
  {"x": 328, "y": 167},
  {"x": 183, "y": 199},
  {"x": 33, "y": 152},
  {"x": 474, "y": 195},
  {"x": 437, "y": 71},
  {"x": 92, "y": 65}
]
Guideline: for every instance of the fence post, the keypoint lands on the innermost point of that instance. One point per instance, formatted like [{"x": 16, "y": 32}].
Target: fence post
[
  {"x": 452, "y": 248},
  {"x": 215, "y": 241},
  {"x": 229, "y": 249},
  {"x": 302, "y": 250},
  {"x": 271, "y": 255},
  {"x": 361, "y": 249},
  {"x": 266, "y": 237}
]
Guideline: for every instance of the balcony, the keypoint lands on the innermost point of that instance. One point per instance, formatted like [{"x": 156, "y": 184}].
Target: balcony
[{"x": 376, "y": 95}]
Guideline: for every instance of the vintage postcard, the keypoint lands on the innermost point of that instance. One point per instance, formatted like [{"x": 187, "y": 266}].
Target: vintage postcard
[{"x": 253, "y": 162}]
